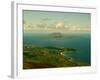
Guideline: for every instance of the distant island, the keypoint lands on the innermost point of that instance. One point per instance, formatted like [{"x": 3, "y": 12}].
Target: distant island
[
  {"x": 56, "y": 35},
  {"x": 35, "y": 57}
]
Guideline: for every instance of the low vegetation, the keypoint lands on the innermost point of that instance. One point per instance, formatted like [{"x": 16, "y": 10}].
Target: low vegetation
[{"x": 47, "y": 57}]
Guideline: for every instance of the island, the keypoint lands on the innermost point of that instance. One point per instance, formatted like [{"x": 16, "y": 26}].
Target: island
[
  {"x": 56, "y": 35},
  {"x": 35, "y": 57}
]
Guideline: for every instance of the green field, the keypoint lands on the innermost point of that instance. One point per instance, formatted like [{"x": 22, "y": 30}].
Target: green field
[{"x": 35, "y": 57}]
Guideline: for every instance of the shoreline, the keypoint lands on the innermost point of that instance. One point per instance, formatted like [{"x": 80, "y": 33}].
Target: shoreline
[{"x": 41, "y": 55}]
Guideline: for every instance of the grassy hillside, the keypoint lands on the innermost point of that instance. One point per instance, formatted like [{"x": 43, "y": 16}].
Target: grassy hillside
[{"x": 47, "y": 57}]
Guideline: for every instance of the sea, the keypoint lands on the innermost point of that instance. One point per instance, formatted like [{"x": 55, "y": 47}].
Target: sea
[{"x": 81, "y": 41}]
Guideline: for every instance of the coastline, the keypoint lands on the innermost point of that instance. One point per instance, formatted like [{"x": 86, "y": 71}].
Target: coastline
[{"x": 47, "y": 57}]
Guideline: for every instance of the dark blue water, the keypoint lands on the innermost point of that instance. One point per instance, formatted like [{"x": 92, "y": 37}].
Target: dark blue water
[{"x": 76, "y": 40}]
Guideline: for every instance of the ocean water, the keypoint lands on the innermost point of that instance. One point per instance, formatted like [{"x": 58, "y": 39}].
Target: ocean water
[{"x": 76, "y": 40}]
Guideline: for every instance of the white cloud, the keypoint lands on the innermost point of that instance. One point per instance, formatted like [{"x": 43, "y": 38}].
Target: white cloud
[
  {"x": 54, "y": 26},
  {"x": 60, "y": 25},
  {"x": 77, "y": 28}
]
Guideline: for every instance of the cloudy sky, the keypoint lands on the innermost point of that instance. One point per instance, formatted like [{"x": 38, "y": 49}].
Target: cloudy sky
[{"x": 51, "y": 21}]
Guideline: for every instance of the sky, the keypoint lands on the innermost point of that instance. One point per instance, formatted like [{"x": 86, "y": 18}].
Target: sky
[{"x": 51, "y": 21}]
